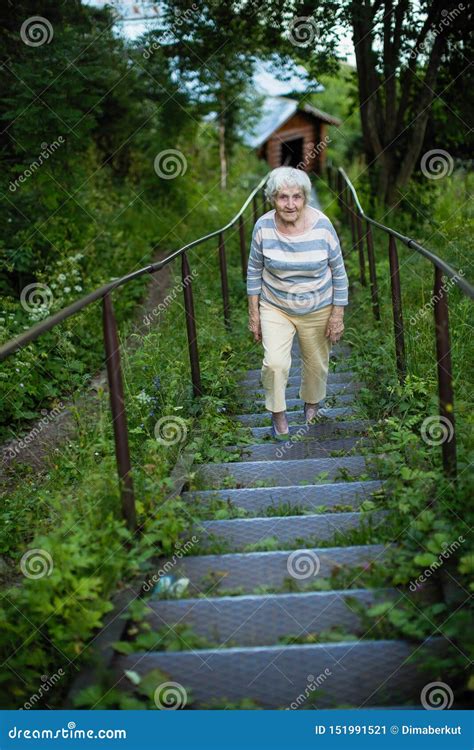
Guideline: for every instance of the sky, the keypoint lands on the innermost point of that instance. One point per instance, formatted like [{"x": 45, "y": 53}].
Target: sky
[{"x": 138, "y": 8}]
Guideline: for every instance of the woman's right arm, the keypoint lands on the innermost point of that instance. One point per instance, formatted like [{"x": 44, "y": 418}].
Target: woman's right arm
[{"x": 254, "y": 282}]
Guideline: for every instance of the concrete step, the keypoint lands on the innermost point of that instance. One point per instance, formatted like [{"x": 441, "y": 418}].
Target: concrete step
[
  {"x": 349, "y": 674},
  {"x": 262, "y": 620},
  {"x": 298, "y": 449},
  {"x": 320, "y": 430},
  {"x": 244, "y": 572},
  {"x": 278, "y": 473},
  {"x": 252, "y": 377},
  {"x": 259, "y": 419},
  {"x": 293, "y": 404},
  {"x": 238, "y": 533},
  {"x": 257, "y": 499},
  {"x": 292, "y": 391}
]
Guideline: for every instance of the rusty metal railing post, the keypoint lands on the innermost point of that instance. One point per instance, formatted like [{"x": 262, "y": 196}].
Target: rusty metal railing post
[
  {"x": 352, "y": 219},
  {"x": 119, "y": 417},
  {"x": 360, "y": 247},
  {"x": 397, "y": 309},
  {"x": 191, "y": 326},
  {"x": 243, "y": 248},
  {"x": 445, "y": 379},
  {"x": 372, "y": 272},
  {"x": 224, "y": 282},
  {"x": 255, "y": 208},
  {"x": 347, "y": 206},
  {"x": 340, "y": 192}
]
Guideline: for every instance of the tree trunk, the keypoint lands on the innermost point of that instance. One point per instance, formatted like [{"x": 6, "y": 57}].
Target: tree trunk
[{"x": 391, "y": 145}]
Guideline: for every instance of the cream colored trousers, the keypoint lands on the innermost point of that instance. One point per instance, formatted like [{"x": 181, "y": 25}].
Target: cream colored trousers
[{"x": 278, "y": 330}]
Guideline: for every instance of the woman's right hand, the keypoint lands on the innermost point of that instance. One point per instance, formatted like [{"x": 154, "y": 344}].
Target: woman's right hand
[{"x": 254, "y": 326}]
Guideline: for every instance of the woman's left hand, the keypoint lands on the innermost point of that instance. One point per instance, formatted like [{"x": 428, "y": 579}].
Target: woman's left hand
[{"x": 335, "y": 328}]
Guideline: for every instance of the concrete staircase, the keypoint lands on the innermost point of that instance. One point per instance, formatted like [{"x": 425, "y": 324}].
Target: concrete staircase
[{"x": 309, "y": 580}]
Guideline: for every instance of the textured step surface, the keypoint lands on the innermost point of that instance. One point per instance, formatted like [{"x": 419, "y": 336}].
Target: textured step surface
[
  {"x": 209, "y": 574},
  {"x": 347, "y": 674},
  {"x": 338, "y": 400},
  {"x": 292, "y": 391},
  {"x": 295, "y": 417},
  {"x": 298, "y": 449},
  {"x": 240, "y": 532},
  {"x": 342, "y": 375},
  {"x": 304, "y": 496},
  {"x": 318, "y": 430},
  {"x": 263, "y": 620},
  {"x": 248, "y": 473}
]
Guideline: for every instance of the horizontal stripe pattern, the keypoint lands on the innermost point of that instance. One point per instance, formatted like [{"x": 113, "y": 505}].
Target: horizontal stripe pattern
[{"x": 298, "y": 274}]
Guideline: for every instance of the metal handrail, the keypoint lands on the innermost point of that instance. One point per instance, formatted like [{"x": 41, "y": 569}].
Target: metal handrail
[
  {"x": 111, "y": 340},
  {"x": 354, "y": 214},
  {"x": 442, "y": 265},
  {"x": 50, "y": 322}
]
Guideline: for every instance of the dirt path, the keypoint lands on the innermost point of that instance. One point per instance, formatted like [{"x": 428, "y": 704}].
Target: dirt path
[{"x": 37, "y": 443}]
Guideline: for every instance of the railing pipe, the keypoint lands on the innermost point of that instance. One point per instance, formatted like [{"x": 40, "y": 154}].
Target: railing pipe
[
  {"x": 191, "y": 326},
  {"x": 372, "y": 272},
  {"x": 360, "y": 248},
  {"x": 243, "y": 248},
  {"x": 224, "y": 280},
  {"x": 397, "y": 309},
  {"x": 445, "y": 377},
  {"x": 119, "y": 417}
]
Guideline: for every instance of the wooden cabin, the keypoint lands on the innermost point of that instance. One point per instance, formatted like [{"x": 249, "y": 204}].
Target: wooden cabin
[{"x": 292, "y": 134}]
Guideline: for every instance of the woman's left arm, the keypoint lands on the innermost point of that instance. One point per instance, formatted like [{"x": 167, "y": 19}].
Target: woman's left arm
[{"x": 340, "y": 284}]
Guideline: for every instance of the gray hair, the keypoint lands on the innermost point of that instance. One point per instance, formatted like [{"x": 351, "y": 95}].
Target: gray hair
[{"x": 287, "y": 176}]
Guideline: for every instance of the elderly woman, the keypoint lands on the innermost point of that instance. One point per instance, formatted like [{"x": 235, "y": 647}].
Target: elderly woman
[{"x": 296, "y": 282}]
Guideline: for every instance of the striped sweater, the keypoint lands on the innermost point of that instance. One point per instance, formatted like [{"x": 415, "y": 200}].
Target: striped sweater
[{"x": 298, "y": 274}]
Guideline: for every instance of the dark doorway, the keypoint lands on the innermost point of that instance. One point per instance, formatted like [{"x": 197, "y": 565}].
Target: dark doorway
[{"x": 293, "y": 151}]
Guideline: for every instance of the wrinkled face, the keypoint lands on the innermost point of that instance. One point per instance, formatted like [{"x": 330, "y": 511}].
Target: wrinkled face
[{"x": 289, "y": 203}]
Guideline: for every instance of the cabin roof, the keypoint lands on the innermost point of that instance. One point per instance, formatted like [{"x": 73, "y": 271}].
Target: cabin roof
[{"x": 276, "y": 110}]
